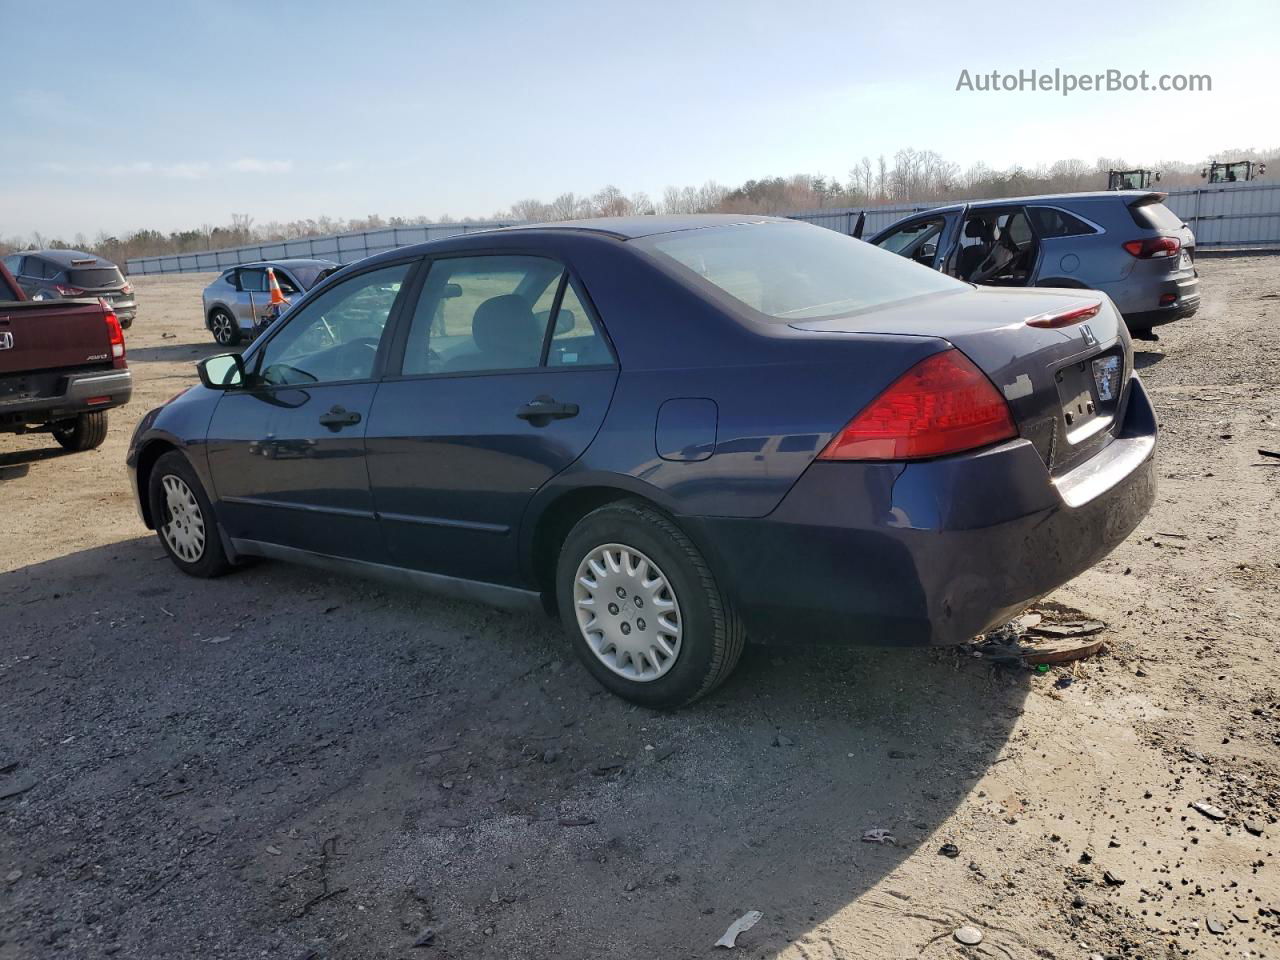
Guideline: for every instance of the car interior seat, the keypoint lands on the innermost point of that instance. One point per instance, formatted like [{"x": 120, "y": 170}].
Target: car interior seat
[
  {"x": 972, "y": 256},
  {"x": 507, "y": 336}
]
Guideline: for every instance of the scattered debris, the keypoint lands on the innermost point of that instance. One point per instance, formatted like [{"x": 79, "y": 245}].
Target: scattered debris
[
  {"x": 214, "y": 639},
  {"x": 949, "y": 850},
  {"x": 1064, "y": 681},
  {"x": 1254, "y": 827},
  {"x": 1269, "y": 453},
  {"x": 575, "y": 821},
  {"x": 1214, "y": 926},
  {"x": 782, "y": 740},
  {"x": 878, "y": 835},
  {"x": 969, "y": 936},
  {"x": 13, "y": 876},
  {"x": 1070, "y": 628},
  {"x": 738, "y": 927},
  {"x": 425, "y": 938},
  {"x": 17, "y": 788},
  {"x": 1209, "y": 810},
  {"x": 274, "y": 851},
  {"x": 168, "y": 336},
  {"x": 1111, "y": 880}
]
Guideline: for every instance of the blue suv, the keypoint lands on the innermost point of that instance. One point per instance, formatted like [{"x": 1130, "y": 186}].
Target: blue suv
[{"x": 1125, "y": 243}]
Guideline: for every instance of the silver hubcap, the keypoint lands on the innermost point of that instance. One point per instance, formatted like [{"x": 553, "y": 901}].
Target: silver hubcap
[
  {"x": 627, "y": 612},
  {"x": 184, "y": 533},
  {"x": 222, "y": 328}
]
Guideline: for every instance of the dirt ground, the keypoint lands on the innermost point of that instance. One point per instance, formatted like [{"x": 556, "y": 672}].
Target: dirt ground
[{"x": 284, "y": 763}]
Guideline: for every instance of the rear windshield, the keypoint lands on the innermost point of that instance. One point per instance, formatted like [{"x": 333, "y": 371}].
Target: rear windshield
[
  {"x": 95, "y": 277},
  {"x": 1155, "y": 216},
  {"x": 796, "y": 271}
]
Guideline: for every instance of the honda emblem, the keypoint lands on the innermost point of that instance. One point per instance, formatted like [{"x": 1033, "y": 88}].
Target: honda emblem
[
  {"x": 1088, "y": 336},
  {"x": 6, "y": 340}
]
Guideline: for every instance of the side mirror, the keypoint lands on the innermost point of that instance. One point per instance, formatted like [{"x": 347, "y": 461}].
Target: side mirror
[
  {"x": 565, "y": 321},
  {"x": 450, "y": 291},
  {"x": 222, "y": 372}
]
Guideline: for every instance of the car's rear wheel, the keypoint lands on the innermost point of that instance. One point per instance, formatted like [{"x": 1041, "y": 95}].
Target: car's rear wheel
[
  {"x": 642, "y": 609},
  {"x": 224, "y": 328},
  {"x": 184, "y": 518},
  {"x": 85, "y": 432}
]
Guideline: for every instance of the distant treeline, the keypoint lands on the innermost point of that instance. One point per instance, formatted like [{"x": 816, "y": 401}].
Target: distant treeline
[{"x": 911, "y": 175}]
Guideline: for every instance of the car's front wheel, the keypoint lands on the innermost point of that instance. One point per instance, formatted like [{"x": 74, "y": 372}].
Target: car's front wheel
[
  {"x": 224, "y": 328},
  {"x": 642, "y": 609},
  {"x": 184, "y": 518}
]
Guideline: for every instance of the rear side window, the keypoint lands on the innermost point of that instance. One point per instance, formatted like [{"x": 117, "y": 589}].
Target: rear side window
[
  {"x": 796, "y": 271},
  {"x": 1155, "y": 216},
  {"x": 1052, "y": 222},
  {"x": 95, "y": 276},
  {"x": 491, "y": 313}
]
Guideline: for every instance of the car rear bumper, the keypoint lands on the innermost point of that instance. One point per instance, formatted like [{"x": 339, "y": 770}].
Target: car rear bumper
[
  {"x": 80, "y": 394},
  {"x": 1172, "y": 300},
  {"x": 933, "y": 552}
]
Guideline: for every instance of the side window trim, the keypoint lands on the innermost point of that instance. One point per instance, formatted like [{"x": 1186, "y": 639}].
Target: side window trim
[
  {"x": 253, "y": 356},
  {"x": 553, "y": 316}
]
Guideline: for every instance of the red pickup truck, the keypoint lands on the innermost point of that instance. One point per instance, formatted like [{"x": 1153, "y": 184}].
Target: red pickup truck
[{"x": 62, "y": 366}]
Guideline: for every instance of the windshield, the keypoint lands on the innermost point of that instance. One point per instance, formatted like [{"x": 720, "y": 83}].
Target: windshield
[{"x": 796, "y": 271}]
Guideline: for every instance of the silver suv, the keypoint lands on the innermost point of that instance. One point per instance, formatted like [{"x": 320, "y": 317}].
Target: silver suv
[
  {"x": 236, "y": 304},
  {"x": 1125, "y": 243}
]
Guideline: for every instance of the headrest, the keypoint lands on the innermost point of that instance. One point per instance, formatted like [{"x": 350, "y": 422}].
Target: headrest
[{"x": 506, "y": 326}]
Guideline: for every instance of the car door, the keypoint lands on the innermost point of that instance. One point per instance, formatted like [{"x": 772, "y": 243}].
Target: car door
[
  {"x": 287, "y": 451},
  {"x": 503, "y": 375},
  {"x": 252, "y": 283},
  {"x": 925, "y": 239}
]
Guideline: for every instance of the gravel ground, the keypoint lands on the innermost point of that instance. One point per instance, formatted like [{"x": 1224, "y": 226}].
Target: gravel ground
[{"x": 284, "y": 763}]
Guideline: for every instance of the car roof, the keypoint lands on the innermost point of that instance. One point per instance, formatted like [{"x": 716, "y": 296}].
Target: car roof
[
  {"x": 631, "y": 228},
  {"x": 1060, "y": 198},
  {"x": 65, "y": 258}
]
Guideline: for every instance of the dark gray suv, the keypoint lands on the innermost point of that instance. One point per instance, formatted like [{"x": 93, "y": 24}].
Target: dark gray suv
[
  {"x": 59, "y": 274},
  {"x": 1125, "y": 243}
]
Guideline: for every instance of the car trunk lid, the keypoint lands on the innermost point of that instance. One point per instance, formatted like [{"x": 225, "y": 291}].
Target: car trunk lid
[
  {"x": 53, "y": 334},
  {"x": 1065, "y": 383}
]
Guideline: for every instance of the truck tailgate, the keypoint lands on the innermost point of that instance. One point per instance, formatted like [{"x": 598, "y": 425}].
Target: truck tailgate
[{"x": 52, "y": 334}]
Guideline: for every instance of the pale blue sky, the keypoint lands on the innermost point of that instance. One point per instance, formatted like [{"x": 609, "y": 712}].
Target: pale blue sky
[{"x": 170, "y": 115}]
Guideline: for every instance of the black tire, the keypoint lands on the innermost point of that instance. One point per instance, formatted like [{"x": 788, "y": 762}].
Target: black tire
[
  {"x": 211, "y": 560},
  {"x": 85, "y": 432},
  {"x": 223, "y": 326},
  {"x": 711, "y": 632}
]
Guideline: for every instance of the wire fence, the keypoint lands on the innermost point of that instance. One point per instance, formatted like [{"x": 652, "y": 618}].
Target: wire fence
[{"x": 1240, "y": 216}]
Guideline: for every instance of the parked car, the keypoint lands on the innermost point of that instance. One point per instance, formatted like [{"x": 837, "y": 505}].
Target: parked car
[
  {"x": 235, "y": 303},
  {"x": 61, "y": 274},
  {"x": 62, "y": 366},
  {"x": 1126, "y": 243},
  {"x": 676, "y": 431}
]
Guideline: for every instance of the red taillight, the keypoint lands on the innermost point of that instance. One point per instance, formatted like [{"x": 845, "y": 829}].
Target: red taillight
[
  {"x": 1153, "y": 248},
  {"x": 66, "y": 291},
  {"x": 944, "y": 404},
  {"x": 115, "y": 336},
  {"x": 1065, "y": 318}
]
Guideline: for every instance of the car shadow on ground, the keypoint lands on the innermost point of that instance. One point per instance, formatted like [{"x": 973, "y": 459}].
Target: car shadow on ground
[
  {"x": 283, "y": 760},
  {"x": 1142, "y": 359},
  {"x": 23, "y": 458},
  {"x": 177, "y": 352}
]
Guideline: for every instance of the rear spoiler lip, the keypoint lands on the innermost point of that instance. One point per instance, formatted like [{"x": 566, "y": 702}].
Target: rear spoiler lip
[{"x": 1149, "y": 198}]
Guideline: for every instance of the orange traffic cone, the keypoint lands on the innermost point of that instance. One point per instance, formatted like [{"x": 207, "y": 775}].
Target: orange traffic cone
[{"x": 277, "y": 295}]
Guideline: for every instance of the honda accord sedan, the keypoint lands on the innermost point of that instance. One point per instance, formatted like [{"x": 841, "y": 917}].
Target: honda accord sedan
[{"x": 676, "y": 432}]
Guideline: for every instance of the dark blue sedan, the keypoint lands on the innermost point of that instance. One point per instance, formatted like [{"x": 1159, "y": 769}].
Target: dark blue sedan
[{"x": 679, "y": 432}]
